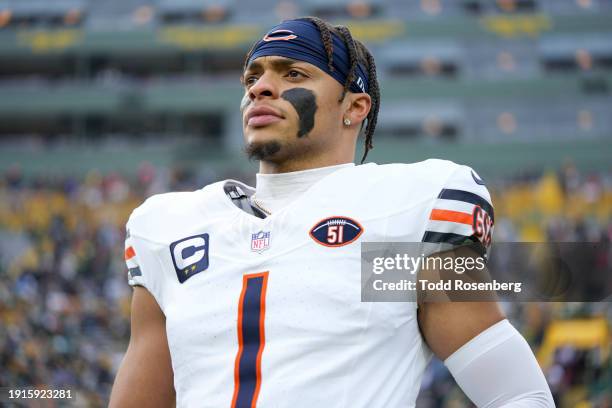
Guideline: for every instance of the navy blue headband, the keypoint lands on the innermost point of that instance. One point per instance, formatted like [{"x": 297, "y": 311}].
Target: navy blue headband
[{"x": 301, "y": 40}]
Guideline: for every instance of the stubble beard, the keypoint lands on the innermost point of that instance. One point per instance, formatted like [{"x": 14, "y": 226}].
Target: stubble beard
[
  {"x": 263, "y": 151},
  {"x": 281, "y": 149}
]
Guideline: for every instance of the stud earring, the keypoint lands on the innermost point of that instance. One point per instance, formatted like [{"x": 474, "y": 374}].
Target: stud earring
[{"x": 347, "y": 122}]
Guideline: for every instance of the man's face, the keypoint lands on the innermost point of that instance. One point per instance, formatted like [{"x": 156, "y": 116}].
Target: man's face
[{"x": 289, "y": 108}]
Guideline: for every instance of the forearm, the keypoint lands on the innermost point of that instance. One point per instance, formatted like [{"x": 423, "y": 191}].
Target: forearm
[{"x": 498, "y": 369}]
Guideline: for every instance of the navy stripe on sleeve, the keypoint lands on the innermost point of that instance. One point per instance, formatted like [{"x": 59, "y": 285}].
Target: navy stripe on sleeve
[
  {"x": 467, "y": 197},
  {"x": 445, "y": 237},
  {"x": 135, "y": 272}
]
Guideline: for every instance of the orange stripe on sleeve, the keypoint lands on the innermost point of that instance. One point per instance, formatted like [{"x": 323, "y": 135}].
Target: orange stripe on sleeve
[
  {"x": 129, "y": 253},
  {"x": 240, "y": 342},
  {"x": 452, "y": 216}
]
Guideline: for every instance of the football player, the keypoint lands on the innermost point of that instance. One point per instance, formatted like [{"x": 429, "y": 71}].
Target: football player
[{"x": 248, "y": 297}]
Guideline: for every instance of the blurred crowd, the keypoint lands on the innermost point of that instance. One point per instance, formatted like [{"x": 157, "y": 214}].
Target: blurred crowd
[{"x": 64, "y": 297}]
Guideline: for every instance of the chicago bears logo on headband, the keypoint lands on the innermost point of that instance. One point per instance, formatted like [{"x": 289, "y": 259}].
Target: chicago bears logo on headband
[{"x": 279, "y": 35}]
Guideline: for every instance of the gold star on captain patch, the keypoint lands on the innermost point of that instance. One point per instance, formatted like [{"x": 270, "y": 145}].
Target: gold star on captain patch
[{"x": 189, "y": 269}]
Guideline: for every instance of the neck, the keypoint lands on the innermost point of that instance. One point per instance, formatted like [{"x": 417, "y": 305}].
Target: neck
[
  {"x": 267, "y": 167},
  {"x": 275, "y": 191},
  {"x": 334, "y": 156}
]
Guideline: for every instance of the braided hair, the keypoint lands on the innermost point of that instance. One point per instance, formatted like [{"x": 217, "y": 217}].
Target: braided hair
[{"x": 358, "y": 53}]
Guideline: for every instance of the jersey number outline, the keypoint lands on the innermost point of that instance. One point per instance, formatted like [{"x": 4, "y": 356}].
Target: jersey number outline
[
  {"x": 482, "y": 226},
  {"x": 251, "y": 340}
]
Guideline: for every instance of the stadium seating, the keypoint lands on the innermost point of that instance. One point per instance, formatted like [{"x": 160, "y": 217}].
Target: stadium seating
[{"x": 103, "y": 103}]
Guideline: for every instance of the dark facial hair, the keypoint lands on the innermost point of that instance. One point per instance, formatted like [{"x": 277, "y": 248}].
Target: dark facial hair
[
  {"x": 304, "y": 102},
  {"x": 262, "y": 151}
]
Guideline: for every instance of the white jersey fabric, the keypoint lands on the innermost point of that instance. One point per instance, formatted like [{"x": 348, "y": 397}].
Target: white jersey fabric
[{"x": 260, "y": 313}]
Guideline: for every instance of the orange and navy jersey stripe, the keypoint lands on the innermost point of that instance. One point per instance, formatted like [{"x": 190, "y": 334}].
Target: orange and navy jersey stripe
[
  {"x": 450, "y": 215},
  {"x": 130, "y": 260},
  {"x": 460, "y": 216},
  {"x": 129, "y": 253},
  {"x": 467, "y": 197}
]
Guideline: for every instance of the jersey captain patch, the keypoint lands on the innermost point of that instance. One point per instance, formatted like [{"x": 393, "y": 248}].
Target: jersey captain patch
[
  {"x": 190, "y": 256},
  {"x": 336, "y": 231}
]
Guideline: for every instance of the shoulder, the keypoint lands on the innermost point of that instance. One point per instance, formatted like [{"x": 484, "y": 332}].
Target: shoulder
[
  {"x": 421, "y": 180},
  {"x": 461, "y": 210},
  {"x": 161, "y": 214},
  {"x": 430, "y": 169},
  {"x": 164, "y": 203},
  {"x": 436, "y": 173}
]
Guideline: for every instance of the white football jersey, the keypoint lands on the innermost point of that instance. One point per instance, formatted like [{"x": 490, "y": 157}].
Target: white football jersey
[{"x": 268, "y": 312}]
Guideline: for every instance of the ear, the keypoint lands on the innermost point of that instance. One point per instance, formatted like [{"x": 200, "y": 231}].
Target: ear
[{"x": 359, "y": 105}]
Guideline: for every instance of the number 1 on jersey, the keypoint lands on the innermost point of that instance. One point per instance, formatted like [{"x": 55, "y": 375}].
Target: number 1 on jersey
[{"x": 251, "y": 340}]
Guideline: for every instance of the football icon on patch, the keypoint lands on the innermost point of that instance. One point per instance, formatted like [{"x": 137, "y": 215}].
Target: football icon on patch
[{"x": 336, "y": 231}]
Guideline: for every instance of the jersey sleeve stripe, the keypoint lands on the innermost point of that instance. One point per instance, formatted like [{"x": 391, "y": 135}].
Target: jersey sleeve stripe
[
  {"x": 454, "y": 239},
  {"x": 452, "y": 216},
  {"x": 134, "y": 272},
  {"x": 129, "y": 253},
  {"x": 445, "y": 237},
  {"x": 454, "y": 205},
  {"x": 454, "y": 227},
  {"x": 467, "y": 197},
  {"x": 131, "y": 263}
]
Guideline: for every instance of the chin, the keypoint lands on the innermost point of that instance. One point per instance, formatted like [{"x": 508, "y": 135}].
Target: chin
[
  {"x": 262, "y": 134},
  {"x": 268, "y": 142},
  {"x": 263, "y": 149}
]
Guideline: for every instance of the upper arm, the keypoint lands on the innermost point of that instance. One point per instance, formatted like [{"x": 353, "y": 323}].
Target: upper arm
[
  {"x": 446, "y": 326},
  {"x": 145, "y": 377},
  {"x": 461, "y": 213},
  {"x": 448, "y": 319}
]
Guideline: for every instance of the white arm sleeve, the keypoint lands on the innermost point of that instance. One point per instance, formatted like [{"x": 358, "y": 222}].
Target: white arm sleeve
[{"x": 498, "y": 369}]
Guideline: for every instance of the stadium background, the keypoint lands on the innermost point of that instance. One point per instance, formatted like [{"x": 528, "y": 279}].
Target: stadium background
[{"x": 103, "y": 103}]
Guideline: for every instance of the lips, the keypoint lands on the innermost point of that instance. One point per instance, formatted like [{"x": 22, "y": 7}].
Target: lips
[{"x": 262, "y": 116}]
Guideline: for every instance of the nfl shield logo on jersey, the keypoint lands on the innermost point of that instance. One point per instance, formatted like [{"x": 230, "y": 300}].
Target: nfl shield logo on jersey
[{"x": 260, "y": 241}]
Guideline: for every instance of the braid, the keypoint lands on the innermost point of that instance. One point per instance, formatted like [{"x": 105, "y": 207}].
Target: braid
[
  {"x": 326, "y": 37},
  {"x": 374, "y": 92},
  {"x": 350, "y": 46},
  {"x": 358, "y": 53}
]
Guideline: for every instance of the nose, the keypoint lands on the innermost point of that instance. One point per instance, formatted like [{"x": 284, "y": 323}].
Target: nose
[{"x": 264, "y": 87}]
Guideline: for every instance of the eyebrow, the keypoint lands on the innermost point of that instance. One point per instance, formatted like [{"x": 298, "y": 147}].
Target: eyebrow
[{"x": 278, "y": 64}]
